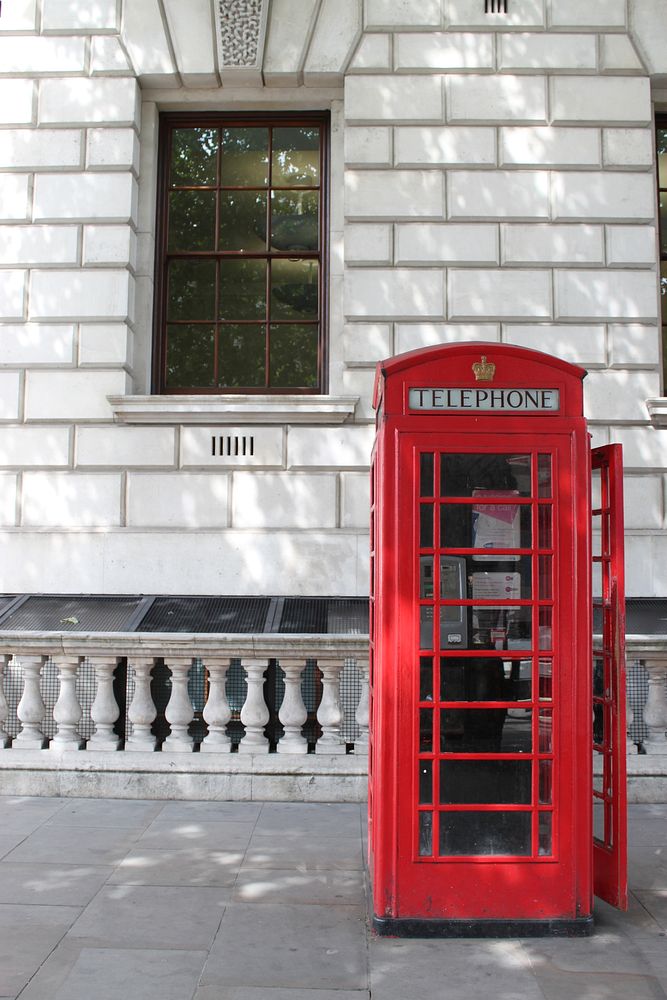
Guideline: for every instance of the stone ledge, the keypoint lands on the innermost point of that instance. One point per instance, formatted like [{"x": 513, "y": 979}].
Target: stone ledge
[
  {"x": 657, "y": 411},
  {"x": 233, "y": 409}
]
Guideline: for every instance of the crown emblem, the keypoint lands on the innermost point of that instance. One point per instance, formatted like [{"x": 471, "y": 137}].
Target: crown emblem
[{"x": 484, "y": 370}]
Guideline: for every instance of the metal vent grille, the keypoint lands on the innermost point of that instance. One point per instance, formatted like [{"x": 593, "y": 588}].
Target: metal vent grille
[
  {"x": 324, "y": 615},
  {"x": 495, "y": 6},
  {"x": 73, "y": 614},
  {"x": 206, "y": 614}
]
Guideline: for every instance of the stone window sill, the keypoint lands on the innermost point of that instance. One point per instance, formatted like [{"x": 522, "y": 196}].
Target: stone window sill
[
  {"x": 657, "y": 411},
  {"x": 232, "y": 409}
]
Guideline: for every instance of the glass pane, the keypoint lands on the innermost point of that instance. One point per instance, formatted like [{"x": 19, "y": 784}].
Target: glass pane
[
  {"x": 243, "y": 220},
  {"x": 242, "y": 288},
  {"x": 426, "y": 628},
  {"x": 461, "y": 475},
  {"x": 545, "y": 628},
  {"x": 479, "y": 678},
  {"x": 425, "y": 782},
  {"x": 426, "y": 577},
  {"x": 596, "y": 488},
  {"x": 426, "y": 526},
  {"x": 545, "y": 722},
  {"x": 425, "y": 730},
  {"x": 598, "y": 820},
  {"x": 191, "y": 289},
  {"x": 191, "y": 220},
  {"x": 485, "y": 730},
  {"x": 193, "y": 156},
  {"x": 663, "y": 217},
  {"x": 425, "y": 834},
  {"x": 426, "y": 678},
  {"x": 495, "y": 782},
  {"x": 296, "y": 156},
  {"x": 598, "y": 724},
  {"x": 293, "y": 355},
  {"x": 545, "y": 847},
  {"x": 544, "y": 576},
  {"x": 294, "y": 220},
  {"x": 544, "y": 475},
  {"x": 485, "y": 526},
  {"x": 487, "y": 833},
  {"x": 546, "y": 684},
  {"x": 294, "y": 289},
  {"x": 244, "y": 159},
  {"x": 495, "y": 627},
  {"x": 190, "y": 355},
  {"x": 242, "y": 355},
  {"x": 426, "y": 475},
  {"x": 598, "y": 677},
  {"x": 661, "y": 136},
  {"x": 544, "y": 539},
  {"x": 546, "y": 782}
]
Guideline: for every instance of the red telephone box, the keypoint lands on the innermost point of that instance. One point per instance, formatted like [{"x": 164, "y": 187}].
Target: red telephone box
[{"x": 486, "y": 694}]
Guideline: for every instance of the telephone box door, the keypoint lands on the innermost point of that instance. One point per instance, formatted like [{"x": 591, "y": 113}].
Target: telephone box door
[{"x": 609, "y": 778}]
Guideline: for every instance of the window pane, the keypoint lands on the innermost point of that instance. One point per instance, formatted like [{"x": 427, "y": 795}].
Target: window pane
[
  {"x": 294, "y": 220},
  {"x": 426, "y": 526},
  {"x": 485, "y": 730},
  {"x": 294, "y": 289},
  {"x": 494, "y": 782},
  {"x": 190, "y": 353},
  {"x": 460, "y": 475},
  {"x": 425, "y": 834},
  {"x": 244, "y": 158},
  {"x": 426, "y": 475},
  {"x": 426, "y": 678},
  {"x": 243, "y": 220},
  {"x": 477, "y": 832},
  {"x": 193, "y": 156},
  {"x": 296, "y": 157},
  {"x": 544, "y": 831},
  {"x": 242, "y": 289},
  {"x": 425, "y": 782},
  {"x": 663, "y": 219},
  {"x": 191, "y": 289},
  {"x": 191, "y": 220},
  {"x": 479, "y": 678},
  {"x": 242, "y": 355},
  {"x": 293, "y": 355},
  {"x": 486, "y": 526}
]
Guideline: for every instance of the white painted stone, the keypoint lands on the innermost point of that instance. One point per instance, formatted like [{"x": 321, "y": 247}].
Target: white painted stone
[
  {"x": 112, "y": 149},
  {"x": 39, "y": 244},
  {"x": 631, "y": 245},
  {"x": 70, "y": 16},
  {"x": 283, "y": 501},
  {"x": 612, "y": 100},
  {"x": 368, "y": 244},
  {"x": 618, "y": 54},
  {"x": 17, "y": 102},
  {"x": 34, "y": 344},
  {"x": 330, "y": 447},
  {"x": 107, "y": 57},
  {"x": 398, "y": 293},
  {"x": 619, "y": 395},
  {"x": 548, "y": 146},
  {"x": 101, "y": 196},
  {"x": 475, "y": 194},
  {"x": 192, "y": 31},
  {"x": 643, "y": 503},
  {"x": 194, "y": 500},
  {"x": 12, "y": 294},
  {"x": 373, "y": 53},
  {"x": 334, "y": 39},
  {"x": 355, "y": 500},
  {"x": 401, "y": 13},
  {"x": 633, "y": 345},
  {"x": 14, "y": 197},
  {"x": 31, "y": 446},
  {"x": 607, "y": 196},
  {"x": 443, "y": 50},
  {"x": 496, "y": 99},
  {"x": 615, "y": 295},
  {"x": 35, "y": 149},
  {"x": 412, "y": 336},
  {"x": 359, "y": 382},
  {"x": 368, "y": 147},
  {"x": 648, "y": 29},
  {"x": 288, "y": 31},
  {"x": 395, "y": 194},
  {"x": 592, "y": 14},
  {"x": 643, "y": 448},
  {"x": 66, "y": 499},
  {"x": 102, "y": 295},
  {"x": 151, "y": 60},
  {"x": 447, "y": 243},
  {"x": 198, "y": 451},
  {"x": 503, "y": 293},
  {"x": 125, "y": 446},
  {"x": 366, "y": 343},
  {"x": 100, "y": 99},
  {"x": 547, "y": 51},
  {"x": 19, "y": 15},
  {"x": 109, "y": 245},
  {"x": 10, "y": 389},
  {"x": 37, "y": 56},
  {"x": 104, "y": 344},
  {"x": 521, "y": 14},
  {"x": 580, "y": 345},
  {"x": 444, "y": 145},
  {"x": 627, "y": 147},
  {"x": 549, "y": 244},
  {"x": 72, "y": 395},
  {"x": 397, "y": 99},
  {"x": 7, "y": 499}
]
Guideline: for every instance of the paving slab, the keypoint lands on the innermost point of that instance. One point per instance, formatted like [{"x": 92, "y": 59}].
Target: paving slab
[
  {"x": 55, "y": 885},
  {"x": 304, "y": 851},
  {"x": 193, "y": 867},
  {"x": 340, "y": 819},
  {"x": 20, "y": 814},
  {"x": 139, "y": 974},
  {"x": 89, "y": 846},
  {"x": 8, "y": 841},
  {"x": 265, "y": 993},
  {"x": 212, "y": 812},
  {"x": 174, "y": 835},
  {"x": 108, "y": 813},
  {"x": 261, "y": 885},
  {"x": 655, "y": 903},
  {"x": 647, "y": 865},
  {"x": 27, "y": 936}
]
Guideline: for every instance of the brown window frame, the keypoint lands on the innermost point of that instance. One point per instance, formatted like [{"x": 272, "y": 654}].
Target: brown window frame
[
  {"x": 174, "y": 120},
  {"x": 661, "y": 125}
]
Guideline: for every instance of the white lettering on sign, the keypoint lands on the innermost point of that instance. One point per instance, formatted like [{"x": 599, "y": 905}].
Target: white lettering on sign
[{"x": 499, "y": 400}]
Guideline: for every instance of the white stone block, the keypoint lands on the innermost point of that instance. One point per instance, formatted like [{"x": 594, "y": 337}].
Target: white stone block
[
  {"x": 446, "y": 243},
  {"x": 330, "y": 447},
  {"x": 644, "y": 448},
  {"x": 618, "y": 54},
  {"x": 37, "y": 56},
  {"x": 627, "y": 147},
  {"x": 107, "y": 57},
  {"x": 366, "y": 343},
  {"x": 10, "y": 393},
  {"x": 355, "y": 500},
  {"x": 359, "y": 382},
  {"x": 283, "y": 501},
  {"x": 17, "y": 102},
  {"x": 600, "y": 100},
  {"x": 368, "y": 147},
  {"x": 580, "y": 345},
  {"x": 631, "y": 245},
  {"x": 192, "y": 31},
  {"x": 72, "y": 16},
  {"x": 125, "y": 446},
  {"x": 100, "y": 99},
  {"x": 413, "y": 336},
  {"x": 592, "y": 14},
  {"x": 498, "y": 194},
  {"x": 547, "y": 51},
  {"x": 39, "y": 244},
  {"x": 36, "y": 149},
  {"x": 14, "y": 197},
  {"x": 394, "y": 194},
  {"x": 112, "y": 149},
  {"x": 368, "y": 244},
  {"x": 288, "y": 33},
  {"x": 402, "y": 13},
  {"x": 648, "y": 29},
  {"x": 12, "y": 294},
  {"x": 31, "y": 446},
  {"x": 444, "y": 146},
  {"x": 548, "y": 146},
  {"x": 68, "y": 500},
  {"x": 501, "y": 293},
  {"x": 395, "y": 293},
  {"x": 550, "y": 244},
  {"x": 616, "y": 395},
  {"x": 373, "y": 53},
  {"x": 7, "y": 498},
  {"x": 75, "y": 295},
  {"x": 231, "y": 447},
  {"x": 633, "y": 345},
  {"x": 108, "y": 197},
  {"x": 34, "y": 344},
  {"x": 193, "y": 500},
  {"x": 109, "y": 245},
  {"x": 522, "y": 14},
  {"x": 397, "y": 99},
  {"x": 72, "y": 395},
  {"x": 444, "y": 50},
  {"x": 642, "y": 502},
  {"x": 607, "y": 196},
  {"x": 606, "y": 294},
  {"x": 19, "y": 15},
  {"x": 104, "y": 344},
  {"x": 496, "y": 99},
  {"x": 334, "y": 39}
]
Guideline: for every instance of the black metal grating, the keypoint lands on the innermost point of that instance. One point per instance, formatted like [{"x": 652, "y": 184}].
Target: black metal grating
[
  {"x": 206, "y": 614},
  {"x": 324, "y": 615},
  {"x": 646, "y": 616},
  {"x": 42, "y": 613},
  {"x": 5, "y": 602}
]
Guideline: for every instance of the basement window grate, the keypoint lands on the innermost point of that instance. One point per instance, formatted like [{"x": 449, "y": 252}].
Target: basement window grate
[
  {"x": 41, "y": 613},
  {"x": 206, "y": 614}
]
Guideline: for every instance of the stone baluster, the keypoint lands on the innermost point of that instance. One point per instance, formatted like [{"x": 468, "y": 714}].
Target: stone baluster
[
  {"x": 142, "y": 710},
  {"x": 292, "y": 712},
  {"x": 67, "y": 709},
  {"x": 217, "y": 712},
  {"x": 104, "y": 711},
  {"x": 31, "y": 709},
  {"x": 179, "y": 712},
  {"x": 361, "y": 714},
  {"x": 655, "y": 711},
  {"x": 4, "y": 707},
  {"x": 329, "y": 714},
  {"x": 254, "y": 714}
]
